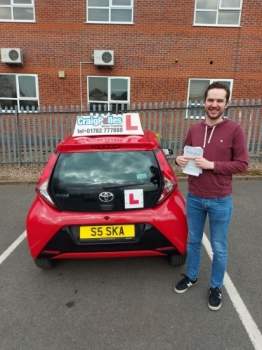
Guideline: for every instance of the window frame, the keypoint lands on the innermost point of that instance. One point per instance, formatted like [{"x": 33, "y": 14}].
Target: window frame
[
  {"x": 109, "y": 102},
  {"x": 18, "y": 97},
  {"x": 201, "y": 102},
  {"x": 13, "y": 5},
  {"x": 110, "y": 7},
  {"x": 219, "y": 8}
]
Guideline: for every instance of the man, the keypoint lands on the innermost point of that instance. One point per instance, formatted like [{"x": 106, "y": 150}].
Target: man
[{"x": 225, "y": 153}]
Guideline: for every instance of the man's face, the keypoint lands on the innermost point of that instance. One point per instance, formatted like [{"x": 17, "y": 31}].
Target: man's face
[{"x": 215, "y": 104}]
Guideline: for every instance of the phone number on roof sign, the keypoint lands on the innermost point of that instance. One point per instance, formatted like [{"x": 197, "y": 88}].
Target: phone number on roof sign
[{"x": 99, "y": 131}]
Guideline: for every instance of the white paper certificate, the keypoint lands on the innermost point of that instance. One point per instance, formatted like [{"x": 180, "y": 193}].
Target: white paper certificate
[{"x": 191, "y": 168}]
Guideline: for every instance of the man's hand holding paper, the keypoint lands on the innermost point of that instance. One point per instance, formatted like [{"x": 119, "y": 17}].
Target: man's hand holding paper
[
  {"x": 191, "y": 154},
  {"x": 203, "y": 163}
]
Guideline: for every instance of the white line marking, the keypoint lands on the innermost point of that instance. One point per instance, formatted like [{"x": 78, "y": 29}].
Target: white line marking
[
  {"x": 12, "y": 247},
  {"x": 243, "y": 313}
]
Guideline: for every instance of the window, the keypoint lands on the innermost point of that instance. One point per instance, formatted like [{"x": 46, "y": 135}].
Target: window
[
  {"x": 18, "y": 90},
  {"x": 17, "y": 10},
  {"x": 196, "y": 91},
  {"x": 218, "y": 12},
  {"x": 109, "y": 91},
  {"x": 110, "y": 11},
  {"x": 86, "y": 174}
]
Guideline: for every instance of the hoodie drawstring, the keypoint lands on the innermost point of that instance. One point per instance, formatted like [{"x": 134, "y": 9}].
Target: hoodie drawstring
[{"x": 204, "y": 144}]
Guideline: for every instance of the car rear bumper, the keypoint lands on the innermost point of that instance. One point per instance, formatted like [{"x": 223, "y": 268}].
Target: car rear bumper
[
  {"x": 148, "y": 241},
  {"x": 167, "y": 232}
]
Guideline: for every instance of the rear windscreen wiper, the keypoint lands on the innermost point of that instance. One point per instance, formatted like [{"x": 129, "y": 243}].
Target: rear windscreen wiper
[{"x": 124, "y": 185}]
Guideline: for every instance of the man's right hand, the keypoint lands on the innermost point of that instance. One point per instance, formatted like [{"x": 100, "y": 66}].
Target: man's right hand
[{"x": 182, "y": 161}]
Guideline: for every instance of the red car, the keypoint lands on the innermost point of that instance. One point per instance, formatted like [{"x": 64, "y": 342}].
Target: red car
[{"x": 107, "y": 197}]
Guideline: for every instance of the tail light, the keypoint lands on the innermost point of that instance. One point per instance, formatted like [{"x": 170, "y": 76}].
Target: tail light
[
  {"x": 42, "y": 185},
  {"x": 168, "y": 176},
  {"x": 42, "y": 190},
  {"x": 108, "y": 146}
]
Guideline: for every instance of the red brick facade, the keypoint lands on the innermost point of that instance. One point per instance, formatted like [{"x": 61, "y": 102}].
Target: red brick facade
[{"x": 159, "y": 52}]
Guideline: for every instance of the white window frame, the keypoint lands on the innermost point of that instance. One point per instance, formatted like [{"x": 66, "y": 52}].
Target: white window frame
[
  {"x": 110, "y": 7},
  {"x": 109, "y": 101},
  {"x": 19, "y": 98},
  {"x": 12, "y": 5},
  {"x": 199, "y": 103},
  {"x": 219, "y": 8}
]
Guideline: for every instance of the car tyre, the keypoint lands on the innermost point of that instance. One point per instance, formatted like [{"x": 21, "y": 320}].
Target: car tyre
[
  {"x": 45, "y": 263},
  {"x": 176, "y": 260}
]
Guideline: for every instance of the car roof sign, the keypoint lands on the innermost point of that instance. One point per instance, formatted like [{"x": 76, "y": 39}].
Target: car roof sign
[{"x": 111, "y": 124}]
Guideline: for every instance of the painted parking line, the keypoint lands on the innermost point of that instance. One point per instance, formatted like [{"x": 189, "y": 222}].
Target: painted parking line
[
  {"x": 243, "y": 313},
  {"x": 12, "y": 247}
]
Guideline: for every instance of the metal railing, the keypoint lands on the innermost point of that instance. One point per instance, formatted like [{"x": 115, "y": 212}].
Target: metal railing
[{"x": 30, "y": 137}]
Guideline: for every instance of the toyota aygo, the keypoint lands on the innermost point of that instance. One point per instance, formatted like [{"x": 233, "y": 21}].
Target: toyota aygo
[{"x": 107, "y": 196}]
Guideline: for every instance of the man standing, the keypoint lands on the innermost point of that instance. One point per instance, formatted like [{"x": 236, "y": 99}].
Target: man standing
[{"x": 225, "y": 153}]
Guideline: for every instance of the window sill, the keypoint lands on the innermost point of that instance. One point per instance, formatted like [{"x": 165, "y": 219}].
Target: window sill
[
  {"x": 16, "y": 21},
  {"x": 125, "y": 23},
  {"x": 217, "y": 25}
]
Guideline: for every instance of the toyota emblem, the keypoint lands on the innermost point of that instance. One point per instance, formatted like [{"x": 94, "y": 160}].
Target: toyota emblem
[{"x": 106, "y": 196}]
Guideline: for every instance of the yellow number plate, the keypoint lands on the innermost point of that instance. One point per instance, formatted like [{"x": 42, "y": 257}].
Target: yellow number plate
[{"x": 112, "y": 231}]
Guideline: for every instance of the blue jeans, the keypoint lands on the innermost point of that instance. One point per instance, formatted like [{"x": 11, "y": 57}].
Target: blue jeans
[{"x": 219, "y": 212}]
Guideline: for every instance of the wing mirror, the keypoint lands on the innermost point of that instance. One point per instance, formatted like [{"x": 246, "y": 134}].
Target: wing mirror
[{"x": 167, "y": 151}]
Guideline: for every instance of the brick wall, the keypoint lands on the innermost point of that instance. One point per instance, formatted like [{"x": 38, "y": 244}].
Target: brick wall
[{"x": 146, "y": 51}]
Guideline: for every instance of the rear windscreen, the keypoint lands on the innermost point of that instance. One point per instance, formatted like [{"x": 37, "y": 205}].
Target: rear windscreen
[
  {"x": 107, "y": 167},
  {"x": 79, "y": 178}
]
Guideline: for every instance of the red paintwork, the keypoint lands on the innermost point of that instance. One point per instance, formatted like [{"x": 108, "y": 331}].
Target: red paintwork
[
  {"x": 148, "y": 141},
  {"x": 103, "y": 255},
  {"x": 47, "y": 170},
  {"x": 169, "y": 217}
]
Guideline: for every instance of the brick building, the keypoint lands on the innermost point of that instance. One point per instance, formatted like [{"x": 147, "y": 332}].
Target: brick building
[{"x": 165, "y": 50}]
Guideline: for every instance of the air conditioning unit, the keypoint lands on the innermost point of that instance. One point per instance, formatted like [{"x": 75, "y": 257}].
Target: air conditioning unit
[
  {"x": 12, "y": 56},
  {"x": 104, "y": 57}
]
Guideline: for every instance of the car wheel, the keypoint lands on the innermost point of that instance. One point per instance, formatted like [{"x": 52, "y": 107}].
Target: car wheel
[
  {"x": 176, "y": 260},
  {"x": 45, "y": 263}
]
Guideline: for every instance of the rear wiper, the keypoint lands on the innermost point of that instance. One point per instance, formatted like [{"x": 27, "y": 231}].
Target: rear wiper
[{"x": 124, "y": 185}]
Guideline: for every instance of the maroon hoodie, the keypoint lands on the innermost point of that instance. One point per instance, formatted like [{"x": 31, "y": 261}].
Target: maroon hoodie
[{"x": 225, "y": 145}]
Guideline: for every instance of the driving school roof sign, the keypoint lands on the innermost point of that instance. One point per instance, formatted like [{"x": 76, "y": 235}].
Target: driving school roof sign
[{"x": 112, "y": 124}]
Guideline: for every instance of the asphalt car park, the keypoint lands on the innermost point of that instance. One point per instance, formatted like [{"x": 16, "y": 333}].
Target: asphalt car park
[{"x": 127, "y": 303}]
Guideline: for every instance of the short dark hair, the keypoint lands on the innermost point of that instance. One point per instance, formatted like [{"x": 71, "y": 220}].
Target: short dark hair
[{"x": 218, "y": 85}]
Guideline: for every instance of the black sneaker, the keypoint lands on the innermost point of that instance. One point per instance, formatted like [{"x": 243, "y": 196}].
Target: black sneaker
[
  {"x": 184, "y": 284},
  {"x": 215, "y": 299}
]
